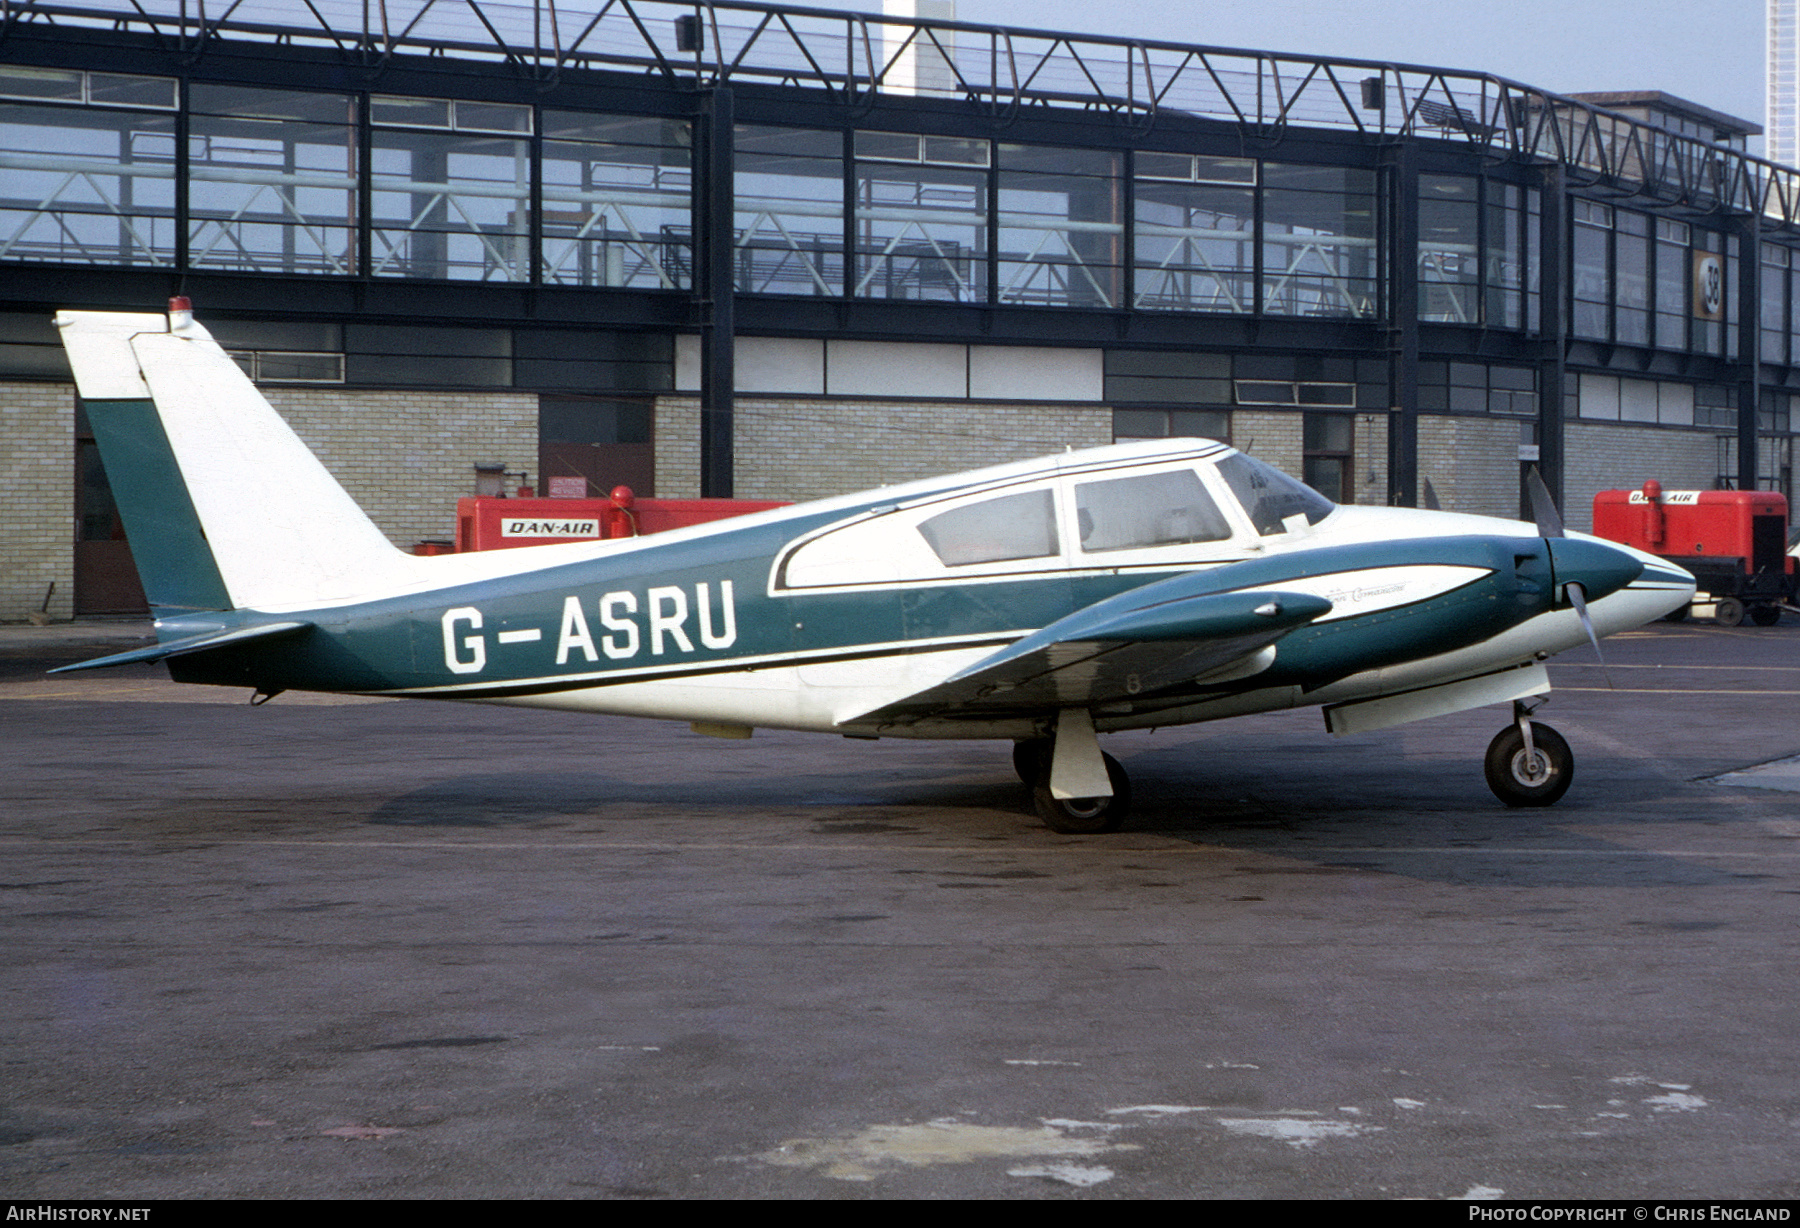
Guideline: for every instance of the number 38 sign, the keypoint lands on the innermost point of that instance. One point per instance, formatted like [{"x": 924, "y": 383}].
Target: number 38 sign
[{"x": 1709, "y": 286}]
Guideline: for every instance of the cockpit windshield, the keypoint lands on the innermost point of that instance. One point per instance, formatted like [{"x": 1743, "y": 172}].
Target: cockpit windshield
[{"x": 1270, "y": 496}]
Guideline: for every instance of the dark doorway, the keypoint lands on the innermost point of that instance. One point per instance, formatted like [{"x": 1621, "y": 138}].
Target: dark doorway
[
  {"x": 604, "y": 440},
  {"x": 1328, "y": 446}
]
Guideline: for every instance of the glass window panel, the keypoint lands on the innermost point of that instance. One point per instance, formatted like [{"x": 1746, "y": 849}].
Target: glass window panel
[
  {"x": 1505, "y": 257},
  {"x": 891, "y": 146},
  {"x": 1631, "y": 279},
  {"x": 956, "y": 150},
  {"x": 1773, "y": 307},
  {"x": 1059, "y": 160},
  {"x": 1062, "y": 231},
  {"x": 1151, "y": 164},
  {"x": 1672, "y": 275},
  {"x": 790, "y": 211},
  {"x": 492, "y": 116},
  {"x": 1592, "y": 288},
  {"x": 1468, "y": 400},
  {"x": 921, "y": 233},
  {"x": 1449, "y": 248},
  {"x": 1523, "y": 379},
  {"x": 413, "y": 112},
  {"x": 114, "y": 90},
  {"x": 1195, "y": 247},
  {"x": 450, "y": 206},
  {"x": 1021, "y": 526},
  {"x": 300, "y": 368},
  {"x": 86, "y": 186},
  {"x": 618, "y": 207},
  {"x": 1156, "y": 509},
  {"x": 1139, "y": 424},
  {"x": 1327, "y": 432},
  {"x": 272, "y": 181},
  {"x": 1319, "y": 247},
  {"x": 1267, "y": 392},
  {"x": 1311, "y": 393},
  {"x": 1200, "y": 423},
  {"x": 1328, "y": 475},
  {"x": 47, "y": 84}
]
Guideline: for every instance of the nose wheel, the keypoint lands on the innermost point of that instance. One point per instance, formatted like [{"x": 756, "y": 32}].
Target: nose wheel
[{"x": 1529, "y": 764}]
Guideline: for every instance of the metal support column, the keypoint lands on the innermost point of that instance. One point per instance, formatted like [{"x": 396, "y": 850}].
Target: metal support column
[
  {"x": 1402, "y": 183},
  {"x": 1746, "y": 239},
  {"x": 715, "y": 284},
  {"x": 1552, "y": 256}
]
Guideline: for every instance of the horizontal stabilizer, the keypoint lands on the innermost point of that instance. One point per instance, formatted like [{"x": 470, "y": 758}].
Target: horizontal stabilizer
[
  {"x": 189, "y": 644},
  {"x": 1133, "y": 645}
]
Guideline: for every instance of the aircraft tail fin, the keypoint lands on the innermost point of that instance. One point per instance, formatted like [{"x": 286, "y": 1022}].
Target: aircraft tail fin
[{"x": 225, "y": 507}]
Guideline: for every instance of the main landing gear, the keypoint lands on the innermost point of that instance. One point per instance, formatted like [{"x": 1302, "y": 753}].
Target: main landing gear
[
  {"x": 1529, "y": 764},
  {"x": 1034, "y": 760}
]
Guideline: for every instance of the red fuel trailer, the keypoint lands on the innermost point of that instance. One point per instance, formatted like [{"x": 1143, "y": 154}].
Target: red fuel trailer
[
  {"x": 485, "y": 523},
  {"x": 1734, "y": 541}
]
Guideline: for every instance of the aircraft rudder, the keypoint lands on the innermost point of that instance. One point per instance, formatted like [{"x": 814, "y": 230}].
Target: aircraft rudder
[
  {"x": 230, "y": 506},
  {"x": 168, "y": 545}
]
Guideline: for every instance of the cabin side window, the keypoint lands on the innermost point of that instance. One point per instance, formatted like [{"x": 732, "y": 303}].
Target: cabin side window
[
  {"x": 1152, "y": 509},
  {"x": 1021, "y": 526}
]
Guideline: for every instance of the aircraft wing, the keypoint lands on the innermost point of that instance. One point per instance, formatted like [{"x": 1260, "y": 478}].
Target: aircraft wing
[{"x": 1134, "y": 644}]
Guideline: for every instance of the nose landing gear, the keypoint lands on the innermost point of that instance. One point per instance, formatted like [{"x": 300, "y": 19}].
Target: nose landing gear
[{"x": 1529, "y": 764}]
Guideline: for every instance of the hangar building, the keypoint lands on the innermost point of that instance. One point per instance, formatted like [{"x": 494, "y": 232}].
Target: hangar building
[{"x": 775, "y": 252}]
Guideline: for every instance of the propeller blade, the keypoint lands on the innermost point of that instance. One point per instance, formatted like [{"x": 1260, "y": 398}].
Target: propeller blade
[
  {"x": 1431, "y": 498},
  {"x": 1578, "y": 599},
  {"x": 1543, "y": 507}
]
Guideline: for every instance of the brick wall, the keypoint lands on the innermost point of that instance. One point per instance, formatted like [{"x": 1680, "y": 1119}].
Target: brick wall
[
  {"x": 407, "y": 457},
  {"x": 37, "y": 506},
  {"x": 1607, "y": 456},
  {"x": 1472, "y": 464},
  {"x": 1273, "y": 436}
]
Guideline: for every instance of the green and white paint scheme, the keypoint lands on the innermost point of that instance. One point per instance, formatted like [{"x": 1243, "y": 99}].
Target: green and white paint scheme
[{"x": 1045, "y": 601}]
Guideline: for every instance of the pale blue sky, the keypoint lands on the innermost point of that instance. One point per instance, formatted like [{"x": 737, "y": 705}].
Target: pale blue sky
[{"x": 1710, "y": 51}]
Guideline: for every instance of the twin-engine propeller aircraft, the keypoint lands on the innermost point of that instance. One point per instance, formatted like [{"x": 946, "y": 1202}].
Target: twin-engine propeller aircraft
[{"x": 1046, "y": 602}]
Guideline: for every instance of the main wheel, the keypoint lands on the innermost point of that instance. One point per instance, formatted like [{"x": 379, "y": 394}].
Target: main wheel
[
  {"x": 1519, "y": 779},
  {"x": 1729, "y": 612},
  {"x": 1031, "y": 759},
  {"x": 1765, "y": 615},
  {"x": 1079, "y": 816}
]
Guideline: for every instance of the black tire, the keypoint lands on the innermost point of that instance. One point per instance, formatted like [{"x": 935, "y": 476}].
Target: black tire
[
  {"x": 1677, "y": 615},
  {"x": 1729, "y": 612},
  {"x": 1031, "y": 759},
  {"x": 1765, "y": 615},
  {"x": 1519, "y": 783},
  {"x": 1085, "y": 816}
]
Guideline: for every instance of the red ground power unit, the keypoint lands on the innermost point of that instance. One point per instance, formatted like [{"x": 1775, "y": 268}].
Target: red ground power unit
[{"x": 1734, "y": 541}]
